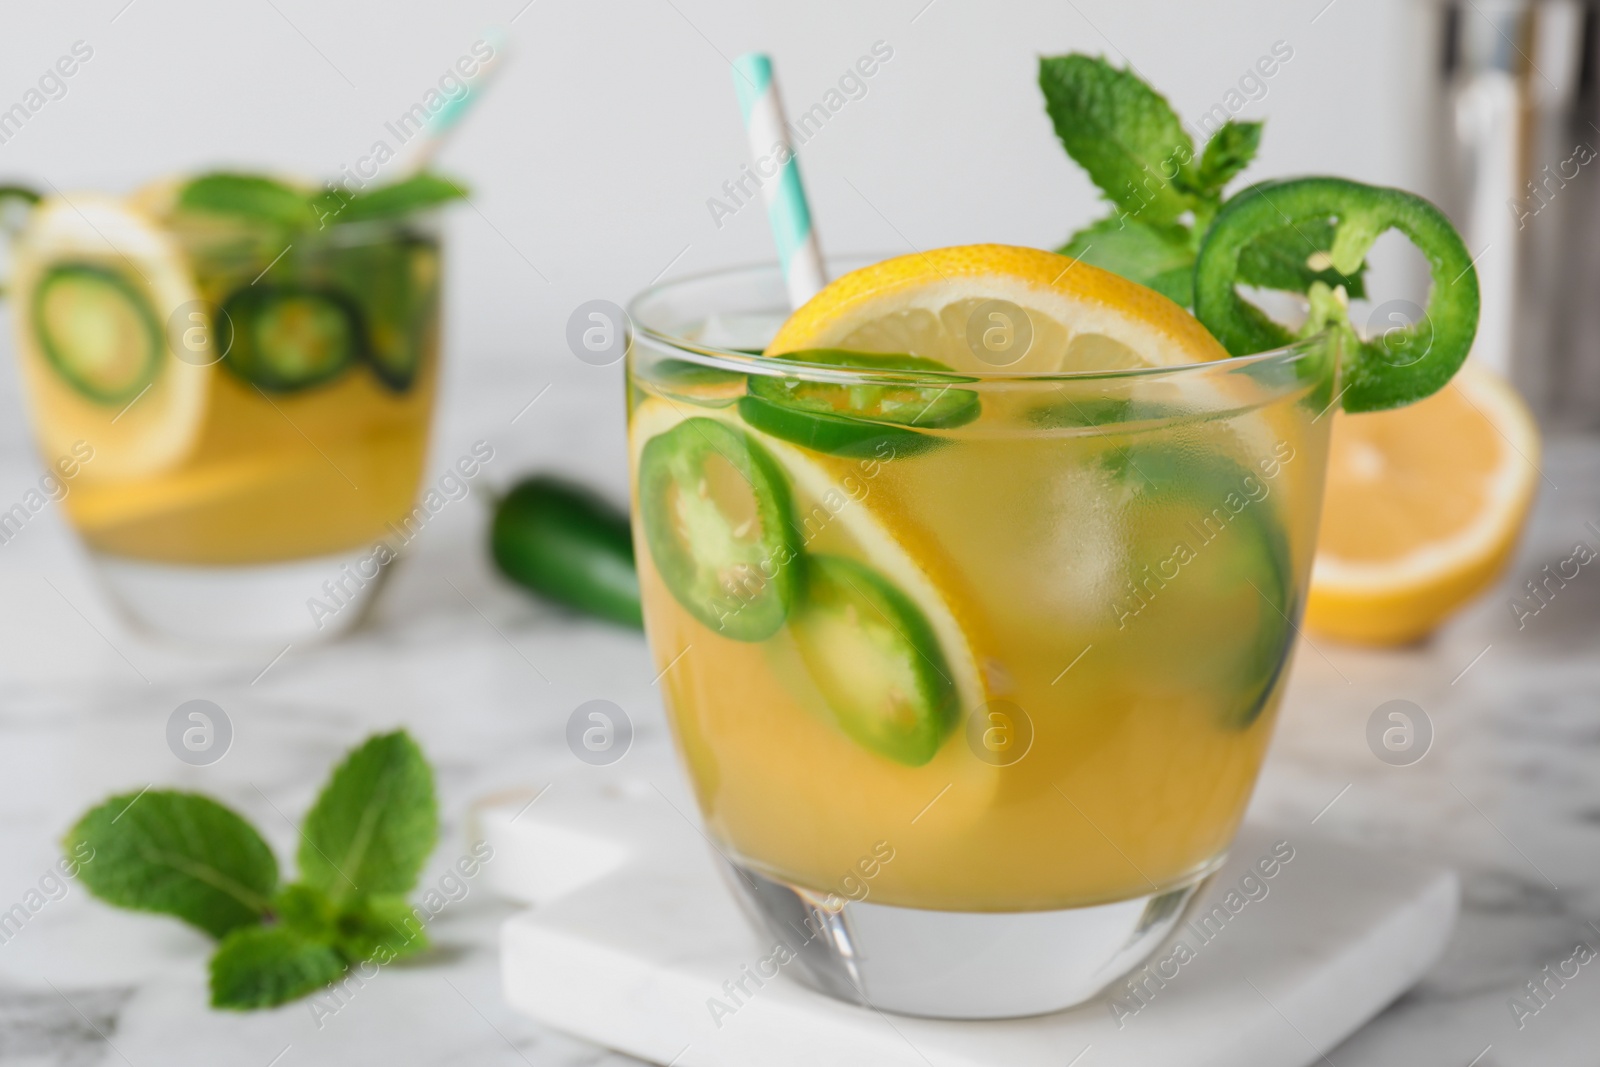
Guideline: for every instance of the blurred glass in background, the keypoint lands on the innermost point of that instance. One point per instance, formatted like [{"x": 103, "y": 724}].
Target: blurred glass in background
[{"x": 230, "y": 381}]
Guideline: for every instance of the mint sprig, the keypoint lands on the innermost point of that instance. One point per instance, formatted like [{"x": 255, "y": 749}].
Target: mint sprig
[
  {"x": 261, "y": 200},
  {"x": 1164, "y": 193},
  {"x": 363, "y": 847}
]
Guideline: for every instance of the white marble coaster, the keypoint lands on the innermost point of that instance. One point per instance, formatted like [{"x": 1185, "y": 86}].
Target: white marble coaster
[{"x": 634, "y": 943}]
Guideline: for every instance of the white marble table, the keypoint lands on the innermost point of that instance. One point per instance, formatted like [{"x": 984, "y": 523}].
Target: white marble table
[{"x": 1509, "y": 793}]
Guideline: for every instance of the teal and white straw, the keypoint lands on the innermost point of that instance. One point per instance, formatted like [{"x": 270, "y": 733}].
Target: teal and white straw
[
  {"x": 787, "y": 210},
  {"x": 448, "y": 118}
]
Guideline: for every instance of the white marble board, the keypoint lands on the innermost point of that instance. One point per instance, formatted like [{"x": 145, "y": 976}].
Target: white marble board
[{"x": 632, "y": 937}]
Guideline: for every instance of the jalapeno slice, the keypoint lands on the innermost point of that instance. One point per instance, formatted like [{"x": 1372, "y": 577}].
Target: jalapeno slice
[
  {"x": 16, "y": 203},
  {"x": 394, "y": 283},
  {"x": 1404, "y": 364},
  {"x": 856, "y": 419},
  {"x": 284, "y": 338},
  {"x": 875, "y": 659},
  {"x": 719, "y": 524},
  {"x": 1206, "y": 541},
  {"x": 97, "y": 329}
]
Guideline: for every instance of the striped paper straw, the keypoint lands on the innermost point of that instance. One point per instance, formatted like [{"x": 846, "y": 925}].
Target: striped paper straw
[
  {"x": 439, "y": 128},
  {"x": 798, "y": 250}
]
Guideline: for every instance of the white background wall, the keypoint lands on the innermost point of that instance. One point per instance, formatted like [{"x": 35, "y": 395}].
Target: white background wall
[{"x": 613, "y": 122}]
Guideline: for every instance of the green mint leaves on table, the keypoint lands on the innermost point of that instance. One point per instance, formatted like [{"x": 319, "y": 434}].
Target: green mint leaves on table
[
  {"x": 260, "y": 199},
  {"x": 1135, "y": 149},
  {"x": 363, "y": 845}
]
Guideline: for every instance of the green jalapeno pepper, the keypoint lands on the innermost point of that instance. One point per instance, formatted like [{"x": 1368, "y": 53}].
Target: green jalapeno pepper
[
  {"x": 1405, "y": 363},
  {"x": 716, "y": 513},
  {"x": 1209, "y": 537},
  {"x": 289, "y": 337},
  {"x": 98, "y": 330},
  {"x": 853, "y": 419},
  {"x": 567, "y": 544},
  {"x": 876, "y": 659}
]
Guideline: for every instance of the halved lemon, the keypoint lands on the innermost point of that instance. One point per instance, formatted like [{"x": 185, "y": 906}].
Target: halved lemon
[
  {"x": 1423, "y": 508},
  {"x": 955, "y": 305},
  {"x": 97, "y": 292}
]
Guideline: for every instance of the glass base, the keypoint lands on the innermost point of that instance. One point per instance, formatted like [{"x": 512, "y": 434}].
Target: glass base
[
  {"x": 267, "y": 604},
  {"x": 961, "y": 965}
]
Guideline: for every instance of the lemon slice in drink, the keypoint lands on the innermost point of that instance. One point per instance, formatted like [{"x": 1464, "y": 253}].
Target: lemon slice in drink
[
  {"x": 959, "y": 306},
  {"x": 96, "y": 292},
  {"x": 1423, "y": 509},
  {"x": 158, "y": 197}
]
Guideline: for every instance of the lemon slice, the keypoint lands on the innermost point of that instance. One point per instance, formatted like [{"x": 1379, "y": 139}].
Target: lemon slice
[
  {"x": 956, "y": 305},
  {"x": 97, "y": 292},
  {"x": 157, "y": 197},
  {"x": 1423, "y": 508}
]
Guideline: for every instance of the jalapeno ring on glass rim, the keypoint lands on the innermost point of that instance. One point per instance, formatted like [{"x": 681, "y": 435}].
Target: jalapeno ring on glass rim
[
  {"x": 1406, "y": 363},
  {"x": 852, "y": 420}
]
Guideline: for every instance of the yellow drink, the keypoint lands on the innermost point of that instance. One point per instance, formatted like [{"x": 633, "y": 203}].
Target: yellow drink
[
  {"x": 270, "y": 478},
  {"x": 1096, "y": 575},
  {"x": 244, "y": 398}
]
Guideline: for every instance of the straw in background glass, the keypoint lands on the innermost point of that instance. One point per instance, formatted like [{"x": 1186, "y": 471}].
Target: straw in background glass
[{"x": 437, "y": 132}]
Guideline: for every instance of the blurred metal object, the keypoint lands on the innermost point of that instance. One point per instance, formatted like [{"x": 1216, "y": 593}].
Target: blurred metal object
[{"x": 1516, "y": 163}]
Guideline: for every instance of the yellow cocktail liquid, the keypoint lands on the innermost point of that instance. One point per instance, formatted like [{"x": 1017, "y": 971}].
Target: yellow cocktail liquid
[
  {"x": 1124, "y": 588},
  {"x": 237, "y": 395},
  {"x": 271, "y": 477}
]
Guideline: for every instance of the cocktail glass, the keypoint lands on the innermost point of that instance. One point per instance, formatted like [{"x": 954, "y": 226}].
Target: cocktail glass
[
  {"x": 234, "y": 416},
  {"x": 970, "y": 713}
]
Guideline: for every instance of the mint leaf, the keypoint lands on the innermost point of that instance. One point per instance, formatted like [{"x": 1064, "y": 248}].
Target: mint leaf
[
  {"x": 1160, "y": 256},
  {"x": 1122, "y": 132},
  {"x": 1177, "y": 285},
  {"x": 1277, "y": 260},
  {"x": 1229, "y": 151},
  {"x": 178, "y": 854},
  {"x": 307, "y": 911},
  {"x": 247, "y": 196},
  {"x": 405, "y": 197},
  {"x": 262, "y": 966},
  {"x": 373, "y": 826},
  {"x": 384, "y": 927}
]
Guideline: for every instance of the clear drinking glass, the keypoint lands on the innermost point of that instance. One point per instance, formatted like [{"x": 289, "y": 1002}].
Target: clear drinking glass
[
  {"x": 236, "y": 416},
  {"x": 970, "y": 713}
]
